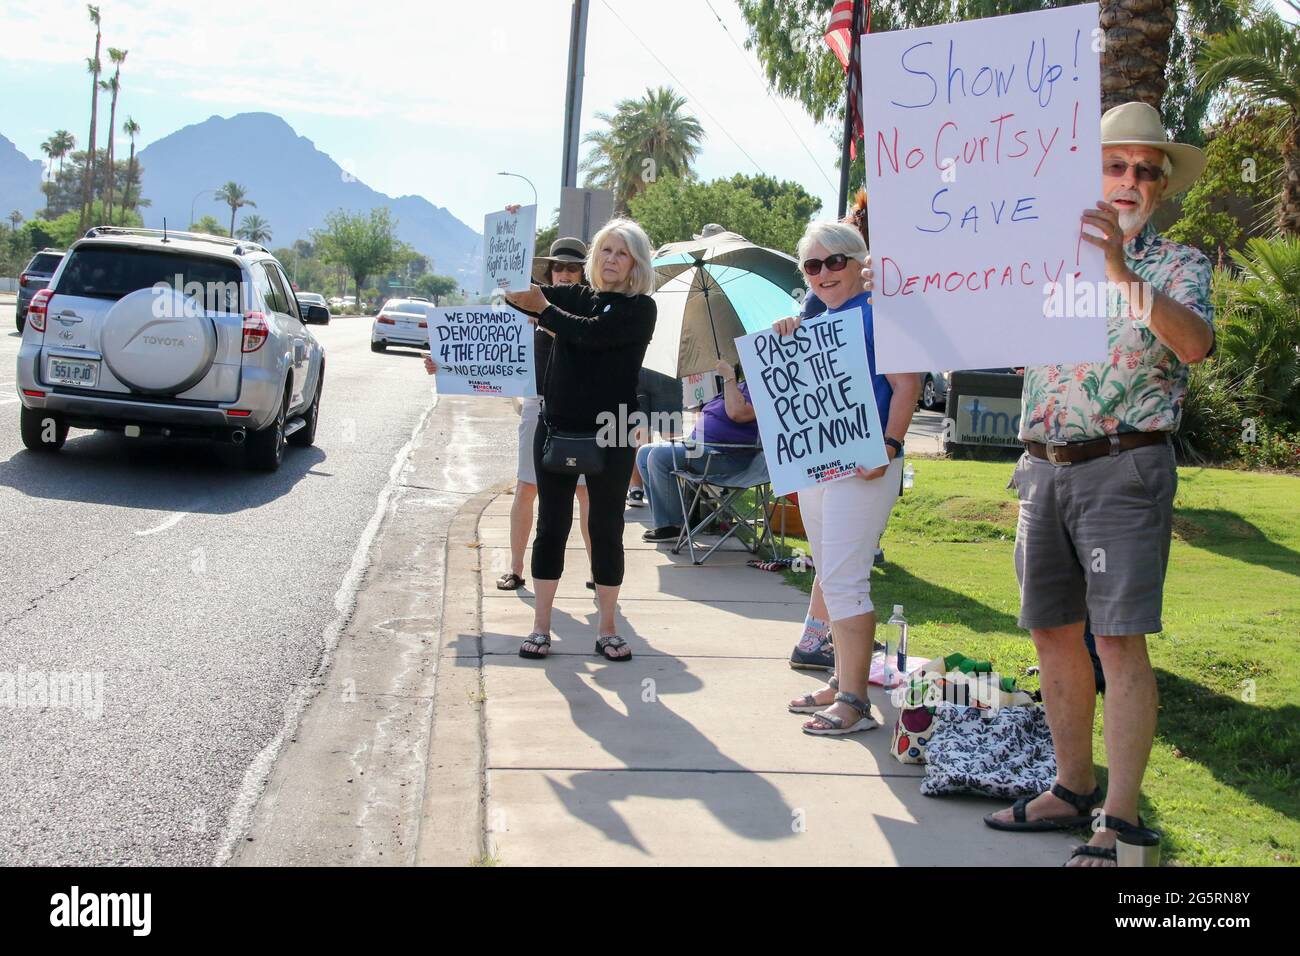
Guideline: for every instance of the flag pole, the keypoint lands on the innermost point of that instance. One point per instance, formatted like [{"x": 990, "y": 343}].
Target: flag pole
[{"x": 847, "y": 140}]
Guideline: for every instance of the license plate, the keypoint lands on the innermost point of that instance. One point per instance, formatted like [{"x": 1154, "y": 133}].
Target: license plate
[{"x": 62, "y": 371}]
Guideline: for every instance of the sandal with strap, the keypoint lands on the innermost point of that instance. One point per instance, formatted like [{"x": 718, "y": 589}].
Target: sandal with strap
[
  {"x": 810, "y": 705},
  {"x": 540, "y": 641},
  {"x": 605, "y": 644},
  {"x": 1104, "y": 822},
  {"x": 837, "y": 726},
  {"x": 509, "y": 582},
  {"x": 1020, "y": 822}
]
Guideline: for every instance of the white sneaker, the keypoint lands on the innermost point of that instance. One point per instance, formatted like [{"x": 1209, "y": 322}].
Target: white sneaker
[{"x": 636, "y": 498}]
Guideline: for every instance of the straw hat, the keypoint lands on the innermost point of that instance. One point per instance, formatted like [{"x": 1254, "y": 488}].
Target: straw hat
[
  {"x": 564, "y": 249},
  {"x": 1137, "y": 124}
]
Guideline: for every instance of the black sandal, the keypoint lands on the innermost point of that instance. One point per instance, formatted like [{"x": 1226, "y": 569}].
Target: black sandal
[
  {"x": 1020, "y": 823},
  {"x": 603, "y": 645},
  {"x": 1104, "y": 822},
  {"x": 539, "y": 641},
  {"x": 509, "y": 582}
]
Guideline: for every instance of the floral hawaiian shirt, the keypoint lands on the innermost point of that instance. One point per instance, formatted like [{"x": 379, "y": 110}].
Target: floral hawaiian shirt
[{"x": 1140, "y": 387}]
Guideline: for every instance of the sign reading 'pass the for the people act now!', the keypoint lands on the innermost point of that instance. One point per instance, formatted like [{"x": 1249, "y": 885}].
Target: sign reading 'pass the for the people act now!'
[
  {"x": 982, "y": 143},
  {"x": 813, "y": 398}
]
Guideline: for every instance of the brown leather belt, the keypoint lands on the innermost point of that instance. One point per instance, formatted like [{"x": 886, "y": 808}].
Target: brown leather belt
[{"x": 1071, "y": 453}]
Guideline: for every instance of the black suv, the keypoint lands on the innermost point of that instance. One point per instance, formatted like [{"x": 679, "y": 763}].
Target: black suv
[{"x": 34, "y": 278}]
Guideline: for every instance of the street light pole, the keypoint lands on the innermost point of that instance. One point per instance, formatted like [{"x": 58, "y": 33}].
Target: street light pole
[
  {"x": 194, "y": 200},
  {"x": 525, "y": 179},
  {"x": 573, "y": 96}
]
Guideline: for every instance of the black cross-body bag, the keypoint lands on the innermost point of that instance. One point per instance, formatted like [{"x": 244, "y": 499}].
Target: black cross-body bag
[{"x": 569, "y": 452}]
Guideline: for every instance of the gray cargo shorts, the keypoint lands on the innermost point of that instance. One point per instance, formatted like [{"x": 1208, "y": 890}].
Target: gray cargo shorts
[{"x": 1093, "y": 540}]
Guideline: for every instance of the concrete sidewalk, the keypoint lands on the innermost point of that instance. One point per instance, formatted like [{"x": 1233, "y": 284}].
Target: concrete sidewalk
[{"x": 686, "y": 755}]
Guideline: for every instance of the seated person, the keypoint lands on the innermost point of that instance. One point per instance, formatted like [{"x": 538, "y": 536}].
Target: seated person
[{"x": 726, "y": 420}]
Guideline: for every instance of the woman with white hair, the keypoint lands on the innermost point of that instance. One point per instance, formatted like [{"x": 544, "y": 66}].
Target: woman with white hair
[
  {"x": 846, "y": 518},
  {"x": 601, "y": 334}
]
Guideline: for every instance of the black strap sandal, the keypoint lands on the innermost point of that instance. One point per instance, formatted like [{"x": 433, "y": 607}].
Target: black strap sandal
[
  {"x": 614, "y": 642},
  {"x": 1101, "y": 852},
  {"x": 1019, "y": 821},
  {"x": 540, "y": 641},
  {"x": 509, "y": 582}
]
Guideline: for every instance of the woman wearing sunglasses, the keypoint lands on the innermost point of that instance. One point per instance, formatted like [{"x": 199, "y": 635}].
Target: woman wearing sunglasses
[{"x": 846, "y": 518}]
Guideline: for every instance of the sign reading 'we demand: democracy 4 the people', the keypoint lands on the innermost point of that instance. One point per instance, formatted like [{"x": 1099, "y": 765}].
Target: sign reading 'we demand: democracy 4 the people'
[
  {"x": 982, "y": 148},
  {"x": 813, "y": 398},
  {"x": 481, "y": 350}
]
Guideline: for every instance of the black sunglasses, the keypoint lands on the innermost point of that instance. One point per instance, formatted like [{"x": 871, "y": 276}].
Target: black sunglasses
[
  {"x": 566, "y": 266},
  {"x": 1145, "y": 172},
  {"x": 835, "y": 263}
]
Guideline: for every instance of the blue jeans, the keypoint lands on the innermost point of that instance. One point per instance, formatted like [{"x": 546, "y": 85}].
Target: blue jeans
[{"x": 657, "y": 462}]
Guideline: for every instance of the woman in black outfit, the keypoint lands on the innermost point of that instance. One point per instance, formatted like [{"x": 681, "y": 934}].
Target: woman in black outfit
[{"x": 601, "y": 334}]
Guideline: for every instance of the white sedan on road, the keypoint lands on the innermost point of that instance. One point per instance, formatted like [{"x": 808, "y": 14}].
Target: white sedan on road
[{"x": 401, "y": 322}]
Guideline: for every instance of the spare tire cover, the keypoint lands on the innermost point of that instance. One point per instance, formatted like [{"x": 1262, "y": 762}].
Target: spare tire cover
[{"x": 158, "y": 340}]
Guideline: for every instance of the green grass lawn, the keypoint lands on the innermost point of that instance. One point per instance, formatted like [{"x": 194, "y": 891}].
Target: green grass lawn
[{"x": 1224, "y": 779}]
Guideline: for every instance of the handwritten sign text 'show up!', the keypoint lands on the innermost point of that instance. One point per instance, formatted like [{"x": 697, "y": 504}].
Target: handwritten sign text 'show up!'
[
  {"x": 482, "y": 351},
  {"x": 508, "y": 239},
  {"x": 982, "y": 146},
  {"x": 812, "y": 394}
]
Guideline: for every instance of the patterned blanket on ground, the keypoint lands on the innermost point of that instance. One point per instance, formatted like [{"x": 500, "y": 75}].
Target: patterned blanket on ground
[{"x": 1005, "y": 754}]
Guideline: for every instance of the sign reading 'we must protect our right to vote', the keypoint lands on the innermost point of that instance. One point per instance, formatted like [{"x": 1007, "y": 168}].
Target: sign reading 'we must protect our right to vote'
[{"x": 982, "y": 148}]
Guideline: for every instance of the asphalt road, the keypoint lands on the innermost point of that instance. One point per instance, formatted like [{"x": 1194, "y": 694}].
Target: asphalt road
[{"x": 200, "y": 594}]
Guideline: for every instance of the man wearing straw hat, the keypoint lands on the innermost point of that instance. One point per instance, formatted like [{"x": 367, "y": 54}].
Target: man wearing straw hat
[{"x": 1097, "y": 483}]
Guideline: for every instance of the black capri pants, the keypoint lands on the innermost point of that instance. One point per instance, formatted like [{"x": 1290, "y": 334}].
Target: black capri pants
[{"x": 607, "y": 497}]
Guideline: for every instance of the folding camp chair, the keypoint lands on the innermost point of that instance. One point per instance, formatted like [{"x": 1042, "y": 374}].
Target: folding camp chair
[{"x": 722, "y": 495}]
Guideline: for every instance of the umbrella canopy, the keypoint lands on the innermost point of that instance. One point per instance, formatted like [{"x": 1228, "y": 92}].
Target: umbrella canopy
[{"x": 712, "y": 290}]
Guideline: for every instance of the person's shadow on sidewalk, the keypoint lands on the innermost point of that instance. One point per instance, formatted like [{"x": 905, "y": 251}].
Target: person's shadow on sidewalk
[{"x": 663, "y": 756}]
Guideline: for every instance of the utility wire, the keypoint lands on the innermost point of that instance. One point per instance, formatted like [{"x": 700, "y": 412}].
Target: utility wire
[
  {"x": 767, "y": 89},
  {"x": 692, "y": 96}
]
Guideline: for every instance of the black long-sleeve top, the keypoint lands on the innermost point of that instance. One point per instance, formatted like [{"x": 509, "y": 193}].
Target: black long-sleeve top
[{"x": 600, "y": 343}]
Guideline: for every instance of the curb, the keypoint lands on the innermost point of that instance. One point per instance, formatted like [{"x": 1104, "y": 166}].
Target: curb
[{"x": 453, "y": 824}]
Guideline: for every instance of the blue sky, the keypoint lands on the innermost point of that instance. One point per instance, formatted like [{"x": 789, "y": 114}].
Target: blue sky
[
  {"x": 430, "y": 99},
  {"x": 410, "y": 99}
]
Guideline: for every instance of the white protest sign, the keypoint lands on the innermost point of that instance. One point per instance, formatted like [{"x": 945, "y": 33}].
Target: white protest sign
[
  {"x": 982, "y": 147},
  {"x": 812, "y": 394},
  {"x": 482, "y": 350},
  {"x": 508, "y": 240}
]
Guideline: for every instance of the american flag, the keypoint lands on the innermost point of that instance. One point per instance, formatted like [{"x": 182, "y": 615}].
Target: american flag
[{"x": 849, "y": 20}]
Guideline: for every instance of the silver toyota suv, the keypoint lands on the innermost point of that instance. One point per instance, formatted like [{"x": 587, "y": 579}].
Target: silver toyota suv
[{"x": 171, "y": 334}]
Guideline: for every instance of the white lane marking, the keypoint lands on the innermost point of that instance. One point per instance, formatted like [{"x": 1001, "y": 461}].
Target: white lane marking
[
  {"x": 169, "y": 523},
  {"x": 259, "y": 771}
]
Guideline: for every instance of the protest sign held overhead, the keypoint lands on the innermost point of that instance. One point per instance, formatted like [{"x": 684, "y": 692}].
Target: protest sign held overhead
[
  {"x": 508, "y": 239},
  {"x": 812, "y": 394},
  {"x": 482, "y": 350},
  {"x": 982, "y": 147}
]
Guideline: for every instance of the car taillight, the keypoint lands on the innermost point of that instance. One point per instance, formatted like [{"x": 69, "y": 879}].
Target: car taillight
[
  {"x": 255, "y": 331},
  {"x": 22, "y": 279},
  {"x": 385, "y": 320},
  {"x": 424, "y": 325},
  {"x": 37, "y": 309}
]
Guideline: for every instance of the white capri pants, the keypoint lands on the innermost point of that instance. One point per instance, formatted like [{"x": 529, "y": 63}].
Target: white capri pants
[{"x": 845, "y": 520}]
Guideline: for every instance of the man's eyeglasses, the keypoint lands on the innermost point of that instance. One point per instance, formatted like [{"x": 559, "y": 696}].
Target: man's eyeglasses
[
  {"x": 1145, "y": 172},
  {"x": 566, "y": 266},
  {"x": 835, "y": 263}
]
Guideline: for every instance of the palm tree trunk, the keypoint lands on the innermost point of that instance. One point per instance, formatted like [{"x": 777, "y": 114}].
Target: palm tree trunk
[
  {"x": 112, "y": 127},
  {"x": 233, "y": 207},
  {"x": 130, "y": 182},
  {"x": 88, "y": 172},
  {"x": 1133, "y": 61},
  {"x": 1288, "y": 208}
]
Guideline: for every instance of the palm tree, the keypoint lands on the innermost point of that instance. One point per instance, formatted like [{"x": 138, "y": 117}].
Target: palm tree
[
  {"x": 255, "y": 229},
  {"x": 1136, "y": 54},
  {"x": 1264, "y": 58},
  {"x": 15, "y": 218},
  {"x": 118, "y": 57},
  {"x": 132, "y": 129},
  {"x": 88, "y": 173},
  {"x": 232, "y": 194},
  {"x": 48, "y": 148},
  {"x": 63, "y": 143},
  {"x": 647, "y": 138}
]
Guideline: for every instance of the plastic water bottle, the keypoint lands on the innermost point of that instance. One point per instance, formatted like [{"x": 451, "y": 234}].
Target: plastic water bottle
[
  {"x": 908, "y": 476},
  {"x": 896, "y": 648}
]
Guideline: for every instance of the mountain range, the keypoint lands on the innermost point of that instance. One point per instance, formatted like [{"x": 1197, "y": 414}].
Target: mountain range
[{"x": 292, "y": 182}]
